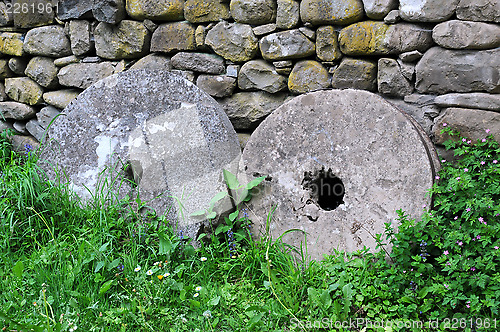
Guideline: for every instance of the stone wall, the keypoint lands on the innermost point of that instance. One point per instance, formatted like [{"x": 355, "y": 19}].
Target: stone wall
[{"x": 438, "y": 60}]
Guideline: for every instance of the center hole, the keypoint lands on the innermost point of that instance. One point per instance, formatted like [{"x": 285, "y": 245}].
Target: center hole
[{"x": 326, "y": 188}]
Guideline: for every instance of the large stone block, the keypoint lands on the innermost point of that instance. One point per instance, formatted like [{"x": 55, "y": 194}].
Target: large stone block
[
  {"x": 427, "y": 10},
  {"x": 109, "y": 11},
  {"x": 246, "y": 110},
  {"x": 471, "y": 123},
  {"x": 378, "y": 9},
  {"x": 441, "y": 71},
  {"x": 60, "y": 98},
  {"x": 457, "y": 34},
  {"x": 23, "y": 90},
  {"x": 260, "y": 75},
  {"x": 355, "y": 74},
  {"x": 127, "y": 40},
  {"x": 307, "y": 76},
  {"x": 68, "y": 9},
  {"x": 253, "y": 11},
  {"x": 378, "y": 38},
  {"x": 339, "y": 165},
  {"x": 479, "y": 10},
  {"x": 6, "y": 16},
  {"x": 287, "y": 14},
  {"x": 11, "y": 43},
  {"x": 156, "y": 10},
  {"x": 199, "y": 62},
  {"x": 80, "y": 35},
  {"x": 320, "y": 12},
  {"x": 16, "y": 111},
  {"x": 33, "y": 13},
  {"x": 159, "y": 135},
  {"x": 216, "y": 85},
  {"x": 43, "y": 71},
  {"x": 83, "y": 75},
  {"x": 153, "y": 62},
  {"x": 327, "y": 44},
  {"x": 390, "y": 79},
  {"x": 48, "y": 41},
  {"x": 233, "y": 41},
  {"x": 291, "y": 44},
  {"x": 478, "y": 100},
  {"x": 206, "y": 11},
  {"x": 178, "y": 36}
]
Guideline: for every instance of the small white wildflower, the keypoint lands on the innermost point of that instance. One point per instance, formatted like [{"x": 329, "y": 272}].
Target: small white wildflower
[
  {"x": 196, "y": 295},
  {"x": 207, "y": 314},
  {"x": 203, "y": 259},
  {"x": 166, "y": 275},
  {"x": 198, "y": 288},
  {"x": 156, "y": 263},
  {"x": 150, "y": 272},
  {"x": 137, "y": 269}
]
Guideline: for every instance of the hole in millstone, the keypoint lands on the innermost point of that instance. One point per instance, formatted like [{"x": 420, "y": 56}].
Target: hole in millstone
[{"x": 327, "y": 190}]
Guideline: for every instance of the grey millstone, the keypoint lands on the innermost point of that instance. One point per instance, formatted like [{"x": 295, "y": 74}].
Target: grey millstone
[
  {"x": 471, "y": 123},
  {"x": 427, "y": 10},
  {"x": 153, "y": 62},
  {"x": 247, "y": 109},
  {"x": 67, "y": 60},
  {"x": 287, "y": 15},
  {"x": 233, "y": 41},
  {"x": 37, "y": 12},
  {"x": 109, "y": 11},
  {"x": 354, "y": 135},
  {"x": 308, "y": 75},
  {"x": 43, "y": 71},
  {"x": 378, "y": 9},
  {"x": 74, "y": 9},
  {"x": 47, "y": 41},
  {"x": 199, "y": 62},
  {"x": 16, "y": 111},
  {"x": 286, "y": 45},
  {"x": 216, "y": 85},
  {"x": 355, "y": 74},
  {"x": 457, "y": 34},
  {"x": 185, "y": 74},
  {"x": 485, "y": 101},
  {"x": 46, "y": 115},
  {"x": 253, "y": 11},
  {"x": 23, "y": 90},
  {"x": 390, "y": 79},
  {"x": 440, "y": 71},
  {"x": 80, "y": 37},
  {"x": 173, "y": 138},
  {"x": 18, "y": 65},
  {"x": 4, "y": 69},
  {"x": 83, "y": 75},
  {"x": 260, "y": 75},
  {"x": 36, "y": 130},
  {"x": 127, "y": 40},
  {"x": 479, "y": 10},
  {"x": 60, "y": 98}
]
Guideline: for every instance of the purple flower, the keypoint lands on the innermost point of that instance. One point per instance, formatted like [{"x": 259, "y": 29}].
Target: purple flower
[
  {"x": 481, "y": 219},
  {"x": 446, "y": 286},
  {"x": 445, "y": 124},
  {"x": 456, "y": 217},
  {"x": 473, "y": 268},
  {"x": 458, "y": 178},
  {"x": 437, "y": 177},
  {"x": 468, "y": 210},
  {"x": 487, "y": 131},
  {"x": 463, "y": 140},
  {"x": 483, "y": 140},
  {"x": 496, "y": 247},
  {"x": 466, "y": 169},
  {"x": 478, "y": 237},
  {"x": 446, "y": 252},
  {"x": 482, "y": 162},
  {"x": 460, "y": 243},
  {"x": 495, "y": 161}
]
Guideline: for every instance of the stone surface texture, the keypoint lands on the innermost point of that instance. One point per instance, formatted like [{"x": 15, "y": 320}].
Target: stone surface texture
[
  {"x": 320, "y": 12},
  {"x": 479, "y": 10},
  {"x": 378, "y": 9},
  {"x": 156, "y": 10},
  {"x": 307, "y": 76},
  {"x": 260, "y": 75},
  {"x": 253, "y": 11},
  {"x": 23, "y": 90},
  {"x": 16, "y": 111},
  {"x": 216, "y": 85},
  {"x": 47, "y": 41},
  {"x": 36, "y": 13},
  {"x": 427, "y": 10},
  {"x": 43, "y": 71},
  {"x": 109, "y": 11},
  {"x": 327, "y": 44},
  {"x": 340, "y": 132},
  {"x": 178, "y": 36},
  {"x": 287, "y": 14},
  {"x": 127, "y": 40},
  {"x": 206, "y": 11},
  {"x": 80, "y": 35},
  {"x": 199, "y": 62},
  {"x": 68, "y": 9},
  {"x": 153, "y": 62},
  {"x": 357, "y": 74},
  {"x": 173, "y": 138},
  {"x": 476, "y": 100},
  {"x": 83, "y": 75},
  {"x": 285, "y": 45},
  {"x": 11, "y": 43},
  {"x": 233, "y": 41},
  {"x": 60, "y": 98},
  {"x": 391, "y": 80},
  {"x": 458, "y": 34},
  {"x": 441, "y": 71}
]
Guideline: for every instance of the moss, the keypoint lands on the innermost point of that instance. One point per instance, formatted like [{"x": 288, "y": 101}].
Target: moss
[
  {"x": 364, "y": 38},
  {"x": 11, "y": 44}
]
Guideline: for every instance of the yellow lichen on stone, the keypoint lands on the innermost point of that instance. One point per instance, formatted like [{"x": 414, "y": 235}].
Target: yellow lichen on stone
[
  {"x": 11, "y": 44},
  {"x": 307, "y": 76},
  {"x": 364, "y": 38},
  {"x": 197, "y": 11},
  {"x": 161, "y": 10},
  {"x": 331, "y": 12}
]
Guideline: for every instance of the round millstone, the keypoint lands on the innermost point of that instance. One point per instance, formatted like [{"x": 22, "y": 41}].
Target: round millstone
[
  {"x": 150, "y": 132},
  {"x": 338, "y": 166}
]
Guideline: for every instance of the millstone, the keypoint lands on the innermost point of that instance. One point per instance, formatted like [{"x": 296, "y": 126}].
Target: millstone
[
  {"x": 339, "y": 164},
  {"x": 152, "y": 132}
]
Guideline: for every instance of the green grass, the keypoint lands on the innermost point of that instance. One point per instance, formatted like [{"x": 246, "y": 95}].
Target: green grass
[{"x": 69, "y": 266}]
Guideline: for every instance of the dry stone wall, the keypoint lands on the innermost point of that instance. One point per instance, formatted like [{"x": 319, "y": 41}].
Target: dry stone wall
[{"x": 438, "y": 60}]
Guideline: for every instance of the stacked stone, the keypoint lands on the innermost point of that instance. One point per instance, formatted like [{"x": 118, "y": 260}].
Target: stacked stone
[{"x": 251, "y": 55}]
